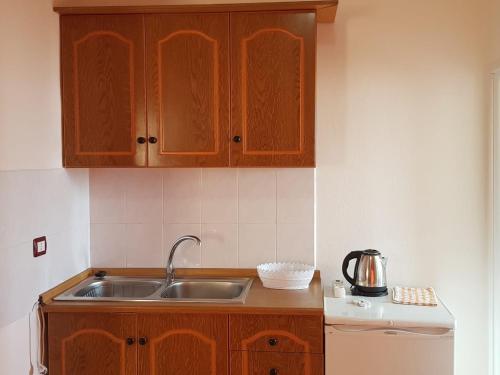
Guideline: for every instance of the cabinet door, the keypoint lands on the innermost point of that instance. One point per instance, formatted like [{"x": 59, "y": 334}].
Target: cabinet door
[
  {"x": 183, "y": 344},
  {"x": 92, "y": 344},
  {"x": 273, "y": 57},
  {"x": 188, "y": 89},
  {"x": 268, "y": 363},
  {"x": 276, "y": 333},
  {"x": 102, "y": 63}
]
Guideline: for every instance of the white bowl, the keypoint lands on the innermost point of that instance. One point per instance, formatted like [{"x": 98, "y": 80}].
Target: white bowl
[{"x": 285, "y": 275}]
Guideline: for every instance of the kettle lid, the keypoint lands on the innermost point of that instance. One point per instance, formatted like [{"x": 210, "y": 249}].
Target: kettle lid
[{"x": 371, "y": 252}]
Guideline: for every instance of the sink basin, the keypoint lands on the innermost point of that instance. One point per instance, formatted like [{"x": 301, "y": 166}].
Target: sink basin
[
  {"x": 119, "y": 289},
  {"x": 140, "y": 289},
  {"x": 205, "y": 289}
]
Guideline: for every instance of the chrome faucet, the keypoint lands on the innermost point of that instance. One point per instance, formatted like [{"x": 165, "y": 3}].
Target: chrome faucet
[{"x": 170, "y": 268}]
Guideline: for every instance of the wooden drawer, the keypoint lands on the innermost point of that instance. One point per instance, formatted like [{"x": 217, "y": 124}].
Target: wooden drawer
[
  {"x": 266, "y": 363},
  {"x": 276, "y": 333}
]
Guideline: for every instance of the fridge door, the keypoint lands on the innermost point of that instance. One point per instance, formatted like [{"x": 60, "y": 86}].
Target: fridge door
[{"x": 354, "y": 350}]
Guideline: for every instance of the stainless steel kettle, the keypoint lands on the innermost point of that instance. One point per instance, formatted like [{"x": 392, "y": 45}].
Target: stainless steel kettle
[{"x": 369, "y": 273}]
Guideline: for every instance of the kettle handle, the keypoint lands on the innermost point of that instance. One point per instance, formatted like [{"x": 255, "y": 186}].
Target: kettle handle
[{"x": 345, "y": 264}]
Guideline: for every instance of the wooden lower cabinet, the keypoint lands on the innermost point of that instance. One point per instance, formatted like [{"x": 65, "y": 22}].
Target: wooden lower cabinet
[
  {"x": 144, "y": 344},
  {"x": 272, "y": 363},
  {"x": 276, "y": 333},
  {"x": 177, "y": 343},
  {"x": 276, "y": 344},
  {"x": 183, "y": 344},
  {"x": 92, "y": 344}
]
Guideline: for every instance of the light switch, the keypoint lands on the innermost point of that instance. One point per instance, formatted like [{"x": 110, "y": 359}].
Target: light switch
[{"x": 39, "y": 246}]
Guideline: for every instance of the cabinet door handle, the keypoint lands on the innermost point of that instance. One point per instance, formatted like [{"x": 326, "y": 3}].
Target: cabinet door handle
[
  {"x": 237, "y": 139},
  {"x": 153, "y": 140},
  {"x": 273, "y": 341},
  {"x": 274, "y": 371},
  {"x": 141, "y": 140},
  {"x": 130, "y": 341},
  {"x": 143, "y": 341}
]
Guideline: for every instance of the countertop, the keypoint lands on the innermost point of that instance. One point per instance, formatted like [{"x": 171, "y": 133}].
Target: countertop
[
  {"x": 259, "y": 300},
  {"x": 383, "y": 313}
]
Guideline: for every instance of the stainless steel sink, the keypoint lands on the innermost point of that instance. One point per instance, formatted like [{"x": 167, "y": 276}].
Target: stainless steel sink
[
  {"x": 205, "y": 289},
  {"x": 118, "y": 288}
]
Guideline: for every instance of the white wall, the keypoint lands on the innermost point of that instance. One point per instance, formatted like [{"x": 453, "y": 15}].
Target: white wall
[
  {"x": 495, "y": 227},
  {"x": 37, "y": 197},
  {"x": 493, "y": 35},
  {"x": 243, "y": 216},
  {"x": 403, "y": 152},
  {"x": 53, "y": 203},
  {"x": 494, "y": 65},
  {"x": 30, "y": 115}
]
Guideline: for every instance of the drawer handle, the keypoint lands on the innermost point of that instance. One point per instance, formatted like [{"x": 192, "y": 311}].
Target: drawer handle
[
  {"x": 237, "y": 139},
  {"x": 143, "y": 341},
  {"x": 274, "y": 371},
  {"x": 130, "y": 341},
  {"x": 273, "y": 341}
]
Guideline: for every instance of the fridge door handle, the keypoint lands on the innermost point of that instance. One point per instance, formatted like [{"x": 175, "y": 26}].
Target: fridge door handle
[
  {"x": 411, "y": 332},
  {"x": 394, "y": 331}
]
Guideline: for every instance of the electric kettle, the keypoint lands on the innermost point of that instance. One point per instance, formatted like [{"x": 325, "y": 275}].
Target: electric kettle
[{"x": 369, "y": 273}]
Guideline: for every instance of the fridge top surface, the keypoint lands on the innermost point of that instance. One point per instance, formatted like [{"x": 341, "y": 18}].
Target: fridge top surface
[{"x": 381, "y": 312}]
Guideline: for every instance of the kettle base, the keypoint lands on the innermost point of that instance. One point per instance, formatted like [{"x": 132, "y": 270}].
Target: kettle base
[{"x": 366, "y": 292}]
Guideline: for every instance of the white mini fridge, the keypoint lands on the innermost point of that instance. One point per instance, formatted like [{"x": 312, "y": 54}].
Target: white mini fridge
[{"x": 387, "y": 339}]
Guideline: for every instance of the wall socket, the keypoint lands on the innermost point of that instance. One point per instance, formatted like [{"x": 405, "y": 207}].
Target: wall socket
[{"x": 39, "y": 246}]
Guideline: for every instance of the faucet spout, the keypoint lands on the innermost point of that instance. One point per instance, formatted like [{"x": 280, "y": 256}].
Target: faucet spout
[{"x": 170, "y": 271}]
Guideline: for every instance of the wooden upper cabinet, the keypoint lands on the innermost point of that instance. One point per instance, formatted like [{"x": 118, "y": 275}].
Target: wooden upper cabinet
[
  {"x": 102, "y": 63},
  {"x": 187, "y": 70},
  {"x": 92, "y": 343},
  {"x": 273, "y": 57},
  {"x": 183, "y": 344},
  {"x": 222, "y": 89}
]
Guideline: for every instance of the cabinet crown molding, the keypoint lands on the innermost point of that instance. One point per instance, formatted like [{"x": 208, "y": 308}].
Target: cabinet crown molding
[{"x": 325, "y": 9}]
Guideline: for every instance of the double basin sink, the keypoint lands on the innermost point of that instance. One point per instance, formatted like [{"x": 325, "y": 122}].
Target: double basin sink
[{"x": 140, "y": 289}]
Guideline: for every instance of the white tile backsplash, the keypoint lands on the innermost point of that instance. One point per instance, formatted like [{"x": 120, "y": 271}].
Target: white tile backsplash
[
  {"x": 143, "y": 196},
  {"x": 143, "y": 245},
  {"x": 295, "y": 194},
  {"x": 257, "y": 244},
  {"x": 243, "y": 216},
  {"x": 294, "y": 242},
  {"x": 107, "y": 245},
  {"x": 219, "y": 196},
  {"x": 107, "y": 196},
  {"x": 182, "y": 195},
  {"x": 257, "y": 195},
  {"x": 220, "y": 245}
]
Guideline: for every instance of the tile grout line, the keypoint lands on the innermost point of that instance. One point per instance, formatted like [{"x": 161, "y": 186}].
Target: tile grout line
[
  {"x": 276, "y": 215},
  {"x": 200, "y": 187},
  {"x": 315, "y": 243},
  {"x": 89, "y": 258},
  {"x": 238, "y": 217},
  {"x": 124, "y": 217},
  {"x": 163, "y": 231}
]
